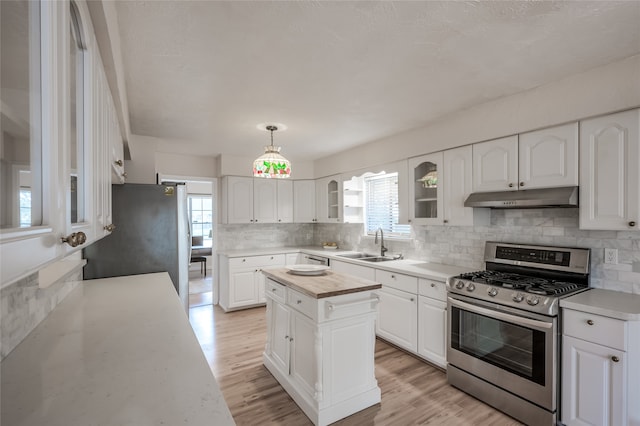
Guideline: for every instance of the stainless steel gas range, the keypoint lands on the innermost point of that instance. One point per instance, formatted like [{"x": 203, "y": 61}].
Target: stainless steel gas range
[{"x": 504, "y": 340}]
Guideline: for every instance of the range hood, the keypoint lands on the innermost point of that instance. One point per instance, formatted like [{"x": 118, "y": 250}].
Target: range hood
[{"x": 528, "y": 199}]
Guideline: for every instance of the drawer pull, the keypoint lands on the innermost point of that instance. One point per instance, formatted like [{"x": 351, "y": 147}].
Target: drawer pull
[
  {"x": 274, "y": 289},
  {"x": 412, "y": 299},
  {"x": 510, "y": 185},
  {"x": 590, "y": 322},
  {"x": 632, "y": 224},
  {"x": 615, "y": 359},
  {"x": 393, "y": 276},
  {"x": 299, "y": 301},
  {"x": 433, "y": 284}
]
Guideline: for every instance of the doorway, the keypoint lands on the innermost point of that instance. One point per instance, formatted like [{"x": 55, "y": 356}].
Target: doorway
[{"x": 201, "y": 208}]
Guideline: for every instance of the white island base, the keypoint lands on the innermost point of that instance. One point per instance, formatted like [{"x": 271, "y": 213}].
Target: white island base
[{"x": 321, "y": 350}]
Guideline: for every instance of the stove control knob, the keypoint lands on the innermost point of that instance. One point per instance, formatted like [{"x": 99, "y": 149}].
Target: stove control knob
[
  {"x": 518, "y": 297},
  {"x": 533, "y": 301},
  {"x": 460, "y": 285},
  {"x": 493, "y": 292},
  {"x": 471, "y": 287}
]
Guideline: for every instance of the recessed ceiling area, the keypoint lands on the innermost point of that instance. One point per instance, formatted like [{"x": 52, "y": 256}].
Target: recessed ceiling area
[{"x": 203, "y": 74}]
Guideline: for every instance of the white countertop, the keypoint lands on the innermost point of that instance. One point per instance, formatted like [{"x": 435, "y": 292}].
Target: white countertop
[
  {"x": 614, "y": 304},
  {"x": 418, "y": 268},
  {"x": 116, "y": 351}
]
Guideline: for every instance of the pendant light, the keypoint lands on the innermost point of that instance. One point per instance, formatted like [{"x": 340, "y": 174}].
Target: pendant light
[{"x": 271, "y": 164}]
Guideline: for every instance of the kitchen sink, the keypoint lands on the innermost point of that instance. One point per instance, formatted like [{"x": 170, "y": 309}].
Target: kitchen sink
[
  {"x": 367, "y": 257},
  {"x": 357, "y": 255},
  {"x": 377, "y": 259}
]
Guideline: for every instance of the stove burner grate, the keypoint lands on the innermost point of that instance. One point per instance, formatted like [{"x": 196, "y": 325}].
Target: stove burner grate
[{"x": 520, "y": 282}]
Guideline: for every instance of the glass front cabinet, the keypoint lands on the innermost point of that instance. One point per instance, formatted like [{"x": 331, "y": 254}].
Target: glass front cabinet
[
  {"x": 425, "y": 189},
  {"x": 55, "y": 196}
]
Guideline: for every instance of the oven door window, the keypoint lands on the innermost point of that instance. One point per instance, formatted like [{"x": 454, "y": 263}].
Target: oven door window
[{"x": 517, "y": 349}]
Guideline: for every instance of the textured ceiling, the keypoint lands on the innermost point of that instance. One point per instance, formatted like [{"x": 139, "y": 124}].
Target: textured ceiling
[{"x": 340, "y": 74}]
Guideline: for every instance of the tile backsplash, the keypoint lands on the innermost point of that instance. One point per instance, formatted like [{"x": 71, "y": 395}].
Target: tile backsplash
[
  {"x": 464, "y": 245},
  {"x": 25, "y": 305}
]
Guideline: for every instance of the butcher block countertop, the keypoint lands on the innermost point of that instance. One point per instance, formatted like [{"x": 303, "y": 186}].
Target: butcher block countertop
[
  {"x": 319, "y": 286},
  {"x": 117, "y": 351}
]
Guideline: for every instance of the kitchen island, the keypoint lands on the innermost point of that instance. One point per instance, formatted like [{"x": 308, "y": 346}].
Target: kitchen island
[
  {"x": 321, "y": 341},
  {"x": 116, "y": 351}
]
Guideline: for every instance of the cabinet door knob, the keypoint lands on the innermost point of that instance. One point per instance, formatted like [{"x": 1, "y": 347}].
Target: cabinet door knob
[
  {"x": 286, "y": 337},
  {"x": 274, "y": 289},
  {"x": 615, "y": 359},
  {"x": 510, "y": 185},
  {"x": 75, "y": 239},
  {"x": 110, "y": 227},
  {"x": 291, "y": 339},
  {"x": 445, "y": 221},
  {"x": 433, "y": 284},
  {"x": 299, "y": 301},
  {"x": 279, "y": 220},
  {"x": 590, "y": 322},
  {"x": 255, "y": 220},
  {"x": 412, "y": 299},
  {"x": 393, "y": 276},
  {"x": 244, "y": 260},
  {"x": 521, "y": 183},
  {"x": 118, "y": 163},
  {"x": 632, "y": 223}
]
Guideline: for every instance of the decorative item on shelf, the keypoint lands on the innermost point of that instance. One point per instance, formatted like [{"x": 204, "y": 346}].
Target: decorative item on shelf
[
  {"x": 271, "y": 164},
  {"x": 330, "y": 245},
  {"x": 430, "y": 180}
]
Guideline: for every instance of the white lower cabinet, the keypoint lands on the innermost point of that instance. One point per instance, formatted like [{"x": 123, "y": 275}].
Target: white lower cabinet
[
  {"x": 322, "y": 351},
  {"x": 432, "y": 322},
  {"x": 600, "y": 370},
  {"x": 412, "y": 315},
  {"x": 242, "y": 282},
  {"x": 398, "y": 318}
]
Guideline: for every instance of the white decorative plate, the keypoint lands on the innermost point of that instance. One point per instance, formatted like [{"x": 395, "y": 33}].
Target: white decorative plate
[{"x": 307, "y": 269}]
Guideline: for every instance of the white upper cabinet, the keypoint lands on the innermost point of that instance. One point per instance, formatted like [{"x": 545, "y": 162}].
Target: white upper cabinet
[
  {"x": 265, "y": 200},
  {"x": 545, "y": 158},
  {"x": 249, "y": 200},
  {"x": 285, "y": 200},
  {"x": 610, "y": 172},
  {"x": 549, "y": 157},
  {"x": 329, "y": 199},
  {"x": 237, "y": 199},
  {"x": 495, "y": 165},
  {"x": 304, "y": 201},
  {"x": 56, "y": 148},
  {"x": 426, "y": 195},
  {"x": 457, "y": 184}
]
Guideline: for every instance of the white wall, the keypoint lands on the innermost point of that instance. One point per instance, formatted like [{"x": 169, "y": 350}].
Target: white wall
[
  {"x": 609, "y": 88},
  {"x": 147, "y": 160}
]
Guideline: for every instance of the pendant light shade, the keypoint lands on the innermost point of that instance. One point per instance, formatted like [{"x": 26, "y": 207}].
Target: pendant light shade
[{"x": 271, "y": 164}]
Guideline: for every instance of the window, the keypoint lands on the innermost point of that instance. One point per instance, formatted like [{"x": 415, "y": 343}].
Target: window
[
  {"x": 201, "y": 214},
  {"x": 381, "y": 205}
]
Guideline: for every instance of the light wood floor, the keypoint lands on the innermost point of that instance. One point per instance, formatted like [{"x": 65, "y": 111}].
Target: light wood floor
[{"x": 413, "y": 392}]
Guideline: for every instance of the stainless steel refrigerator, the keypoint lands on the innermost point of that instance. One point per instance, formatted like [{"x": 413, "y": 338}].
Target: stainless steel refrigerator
[{"x": 152, "y": 234}]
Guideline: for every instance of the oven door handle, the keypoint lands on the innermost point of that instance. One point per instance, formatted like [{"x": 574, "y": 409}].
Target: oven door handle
[{"x": 528, "y": 322}]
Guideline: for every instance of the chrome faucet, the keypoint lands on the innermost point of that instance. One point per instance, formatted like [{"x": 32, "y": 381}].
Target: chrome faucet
[{"x": 383, "y": 249}]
